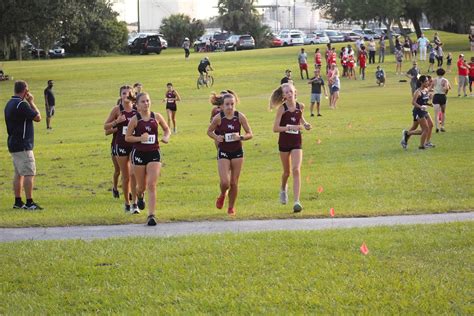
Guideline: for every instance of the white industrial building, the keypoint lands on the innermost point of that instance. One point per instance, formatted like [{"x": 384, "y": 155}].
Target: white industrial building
[{"x": 278, "y": 14}]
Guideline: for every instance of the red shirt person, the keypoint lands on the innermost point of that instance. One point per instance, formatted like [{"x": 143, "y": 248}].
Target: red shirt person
[{"x": 463, "y": 72}]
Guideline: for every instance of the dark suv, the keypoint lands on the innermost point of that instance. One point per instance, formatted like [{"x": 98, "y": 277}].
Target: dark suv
[
  {"x": 146, "y": 44},
  {"x": 238, "y": 42}
]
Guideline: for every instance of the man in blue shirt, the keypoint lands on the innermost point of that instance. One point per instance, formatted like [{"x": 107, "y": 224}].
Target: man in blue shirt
[{"x": 20, "y": 112}]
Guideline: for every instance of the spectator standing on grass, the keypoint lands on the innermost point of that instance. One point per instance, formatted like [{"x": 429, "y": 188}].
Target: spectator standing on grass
[
  {"x": 317, "y": 84},
  {"x": 398, "y": 61},
  {"x": 471, "y": 39},
  {"x": 317, "y": 59},
  {"x": 439, "y": 55},
  {"x": 186, "y": 45},
  {"x": 372, "y": 50},
  {"x": 362, "y": 62},
  {"x": 414, "y": 49},
  {"x": 422, "y": 46},
  {"x": 436, "y": 39},
  {"x": 287, "y": 77},
  {"x": 413, "y": 73},
  {"x": 471, "y": 75},
  {"x": 382, "y": 49},
  {"x": 449, "y": 62},
  {"x": 398, "y": 45},
  {"x": 463, "y": 72},
  {"x": 407, "y": 49},
  {"x": 303, "y": 63},
  {"x": 50, "y": 103},
  {"x": 20, "y": 112}
]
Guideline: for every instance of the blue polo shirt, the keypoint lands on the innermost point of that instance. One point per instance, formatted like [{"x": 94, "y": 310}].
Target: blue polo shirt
[{"x": 19, "y": 119}]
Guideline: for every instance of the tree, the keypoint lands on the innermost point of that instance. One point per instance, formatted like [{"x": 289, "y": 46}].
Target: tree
[
  {"x": 241, "y": 17},
  {"x": 178, "y": 26}
]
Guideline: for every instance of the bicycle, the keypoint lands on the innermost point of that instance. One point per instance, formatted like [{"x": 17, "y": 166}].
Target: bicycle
[{"x": 202, "y": 82}]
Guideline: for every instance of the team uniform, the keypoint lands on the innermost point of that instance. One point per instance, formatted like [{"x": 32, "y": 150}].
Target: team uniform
[
  {"x": 148, "y": 151},
  {"x": 422, "y": 100},
  {"x": 171, "y": 100},
  {"x": 290, "y": 140},
  {"x": 229, "y": 148},
  {"x": 317, "y": 60},
  {"x": 215, "y": 110},
  {"x": 122, "y": 148},
  {"x": 439, "y": 96}
]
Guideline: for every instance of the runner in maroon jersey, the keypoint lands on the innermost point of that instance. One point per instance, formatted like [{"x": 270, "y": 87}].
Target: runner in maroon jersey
[
  {"x": 119, "y": 118},
  {"x": 146, "y": 159},
  {"x": 289, "y": 122},
  {"x": 113, "y": 155},
  {"x": 225, "y": 130},
  {"x": 171, "y": 97}
]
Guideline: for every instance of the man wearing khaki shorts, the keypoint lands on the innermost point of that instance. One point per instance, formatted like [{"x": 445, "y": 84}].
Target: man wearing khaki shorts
[{"x": 20, "y": 112}]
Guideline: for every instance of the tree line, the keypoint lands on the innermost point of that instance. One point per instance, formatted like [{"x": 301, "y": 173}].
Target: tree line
[{"x": 80, "y": 26}]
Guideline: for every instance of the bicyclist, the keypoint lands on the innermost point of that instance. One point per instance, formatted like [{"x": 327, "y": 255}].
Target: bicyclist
[{"x": 204, "y": 66}]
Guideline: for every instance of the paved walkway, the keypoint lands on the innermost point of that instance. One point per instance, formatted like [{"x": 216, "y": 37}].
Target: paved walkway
[{"x": 209, "y": 227}]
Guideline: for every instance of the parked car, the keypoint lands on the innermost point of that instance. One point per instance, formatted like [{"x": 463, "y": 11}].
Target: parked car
[
  {"x": 322, "y": 37},
  {"x": 334, "y": 36},
  {"x": 239, "y": 42},
  {"x": 216, "y": 39},
  {"x": 57, "y": 52},
  {"x": 290, "y": 38},
  {"x": 350, "y": 36},
  {"x": 145, "y": 45},
  {"x": 277, "y": 42},
  {"x": 311, "y": 39}
]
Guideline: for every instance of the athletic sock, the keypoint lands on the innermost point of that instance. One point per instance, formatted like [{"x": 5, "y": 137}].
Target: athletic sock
[{"x": 18, "y": 200}]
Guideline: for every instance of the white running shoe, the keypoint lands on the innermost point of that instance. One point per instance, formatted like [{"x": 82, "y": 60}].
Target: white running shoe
[{"x": 284, "y": 196}]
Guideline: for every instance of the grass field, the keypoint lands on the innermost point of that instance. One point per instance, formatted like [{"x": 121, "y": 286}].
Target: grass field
[
  {"x": 353, "y": 152},
  {"x": 423, "y": 269}
]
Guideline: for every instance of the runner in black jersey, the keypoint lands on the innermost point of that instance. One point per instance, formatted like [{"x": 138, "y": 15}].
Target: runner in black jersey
[
  {"x": 225, "y": 130},
  {"x": 421, "y": 117},
  {"x": 119, "y": 118},
  {"x": 143, "y": 133},
  {"x": 171, "y": 97}
]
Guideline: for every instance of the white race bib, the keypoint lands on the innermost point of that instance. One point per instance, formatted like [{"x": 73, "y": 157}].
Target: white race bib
[
  {"x": 151, "y": 140},
  {"x": 229, "y": 137},
  {"x": 292, "y": 132},
  {"x": 124, "y": 130},
  {"x": 170, "y": 100}
]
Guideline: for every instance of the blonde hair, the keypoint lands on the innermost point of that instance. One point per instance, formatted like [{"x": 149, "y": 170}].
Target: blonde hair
[
  {"x": 218, "y": 99},
  {"x": 277, "y": 98}
]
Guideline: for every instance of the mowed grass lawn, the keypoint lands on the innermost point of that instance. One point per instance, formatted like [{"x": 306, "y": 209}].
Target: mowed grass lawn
[
  {"x": 424, "y": 269},
  {"x": 352, "y": 152}
]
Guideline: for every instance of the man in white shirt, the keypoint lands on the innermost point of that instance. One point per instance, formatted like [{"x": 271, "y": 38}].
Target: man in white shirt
[{"x": 422, "y": 45}]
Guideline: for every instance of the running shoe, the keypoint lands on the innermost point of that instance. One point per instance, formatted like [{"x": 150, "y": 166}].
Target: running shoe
[
  {"x": 437, "y": 130},
  {"x": 443, "y": 130},
  {"x": 220, "y": 201},
  {"x": 134, "y": 209},
  {"x": 141, "y": 202},
  {"x": 283, "y": 196},
  {"x": 421, "y": 147},
  {"x": 297, "y": 207},
  {"x": 32, "y": 206},
  {"x": 115, "y": 193},
  {"x": 151, "y": 220},
  {"x": 319, "y": 115},
  {"x": 127, "y": 208},
  {"x": 430, "y": 145},
  {"x": 312, "y": 114},
  {"x": 403, "y": 142},
  {"x": 231, "y": 211},
  {"x": 19, "y": 206}
]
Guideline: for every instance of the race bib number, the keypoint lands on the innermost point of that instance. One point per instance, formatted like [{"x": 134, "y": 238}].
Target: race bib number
[
  {"x": 229, "y": 137},
  {"x": 292, "y": 131},
  {"x": 124, "y": 130},
  {"x": 151, "y": 140},
  {"x": 170, "y": 100}
]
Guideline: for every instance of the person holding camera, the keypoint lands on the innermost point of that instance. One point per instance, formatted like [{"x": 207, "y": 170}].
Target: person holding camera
[{"x": 20, "y": 112}]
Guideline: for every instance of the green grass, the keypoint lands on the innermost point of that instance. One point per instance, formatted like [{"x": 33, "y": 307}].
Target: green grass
[
  {"x": 425, "y": 269},
  {"x": 359, "y": 161}
]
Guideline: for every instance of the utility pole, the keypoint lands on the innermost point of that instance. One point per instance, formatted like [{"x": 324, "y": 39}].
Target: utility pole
[
  {"x": 294, "y": 14},
  {"x": 277, "y": 18},
  {"x": 138, "y": 15}
]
